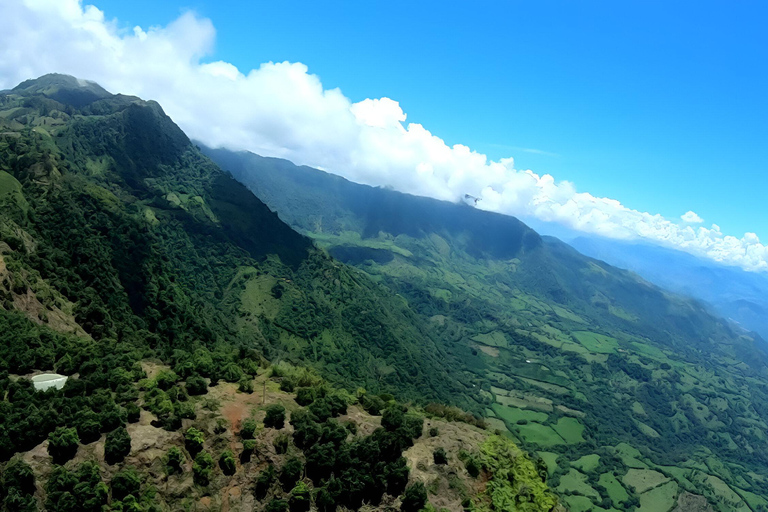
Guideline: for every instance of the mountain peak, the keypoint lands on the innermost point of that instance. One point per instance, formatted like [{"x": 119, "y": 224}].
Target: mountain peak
[{"x": 63, "y": 88}]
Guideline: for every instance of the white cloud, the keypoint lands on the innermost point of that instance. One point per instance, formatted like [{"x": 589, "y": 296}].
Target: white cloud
[
  {"x": 280, "y": 109},
  {"x": 691, "y": 217}
]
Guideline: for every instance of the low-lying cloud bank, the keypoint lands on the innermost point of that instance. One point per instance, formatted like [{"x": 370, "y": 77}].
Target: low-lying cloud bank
[{"x": 280, "y": 109}]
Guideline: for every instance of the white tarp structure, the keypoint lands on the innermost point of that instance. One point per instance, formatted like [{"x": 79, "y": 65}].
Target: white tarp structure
[{"x": 49, "y": 380}]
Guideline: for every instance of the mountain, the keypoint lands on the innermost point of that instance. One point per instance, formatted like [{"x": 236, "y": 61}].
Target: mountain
[
  {"x": 632, "y": 395},
  {"x": 191, "y": 323},
  {"x": 734, "y": 293}
]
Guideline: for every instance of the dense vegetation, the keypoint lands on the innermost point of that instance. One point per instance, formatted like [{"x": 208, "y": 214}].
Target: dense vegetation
[
  {"x": 120, "y": 243},
  {"x": 631, "y": 396}
]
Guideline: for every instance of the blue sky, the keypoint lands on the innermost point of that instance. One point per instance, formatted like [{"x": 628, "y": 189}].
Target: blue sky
[{"x": 660, "y": 105}]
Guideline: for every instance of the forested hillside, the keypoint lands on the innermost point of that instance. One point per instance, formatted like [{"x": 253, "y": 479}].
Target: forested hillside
[
  {"x": 159, "y": 285},
  {"x": 634, "y": 397}
]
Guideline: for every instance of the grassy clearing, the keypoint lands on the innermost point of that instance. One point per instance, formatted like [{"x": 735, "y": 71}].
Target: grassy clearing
[
  {"x": 570, "y": 430},
  {"x": 541, "y": 435},
  {"x": 587, "y": 463},
  {"x": 492, "y": 339},
  {"x": 576, "y": 483},
  {"x": 513, "y": 414},
  {"x": 596, "y": 342},
  {"x": 643, "y": 479},
  {"x": 660, "y": 499},
  {"x": 616, "y": 491},
  {"x": 550, "y": 459}
]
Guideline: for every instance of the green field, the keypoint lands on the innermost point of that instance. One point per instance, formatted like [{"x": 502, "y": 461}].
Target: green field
[
  {"x": 587, "y": 463},
  {"x": 660, "y": 499},
  {"x": 513, "y": 414},
  {"x": 576, "y": 483},
  {"x": 539, "y": 434},
  {"x": 598, "y": 343},
  {"x": 550, "y": 459},
  {"x": 570, "y": 430},
  {"x": 643, "y": 479},
  {"x": 616, "y": 491}
]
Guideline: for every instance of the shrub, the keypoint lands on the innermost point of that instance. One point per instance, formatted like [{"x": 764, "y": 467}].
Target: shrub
[
  {"x": 193, "y": 440},
  {"x": 117, "y": 446},
  {"x": 174, "y": 460},
  {"x": 264, "y": 481},
  {"x": 201, "y": 468},
  {"x": 439, "y": 456},
  {"x": 249, "y": 445},
  {"x": 291, "y": 473},
  {"x": 287, "y": 385},
  {"x": 275, "y": 417},
  {"x": 276, "y": 506},
  {"x": 196, "y": 385},
  {"x": 166, "y": 379},
  {"x": 434, "y": 432},
  {"x": 245, "y": 385},
  {"x": 248, "y": 428},
  {"x": 300, "y": 498},
  {"x": 125, "y": 482},
  {"x": 281, "y": 443},
  {"x": 62, "y": 444},
  {"x": 227, "y": 463},
  {"x": 133, "y": 413},
  {"x": 305, "y": 396},
  {"x": 415, "y": 498},
  {"x": 473, "y": 467},
  {"x": 372, "y": 404},
  {"x": 18, "y": 475}
]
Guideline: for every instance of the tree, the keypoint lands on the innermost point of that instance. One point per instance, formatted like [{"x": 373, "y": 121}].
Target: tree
[
  {"x": 415, "y": 498},
  {"x": 276, "y": 506},
  {"x": 248, "y": 428},
  {"x": 196, "y": 385},
  {"x": 117, "y": 446},
  {"x": 439, "y": 456},
  {"x": 124, "y": 483},
  {"x": 275, "y": 417},
  {"x": 193, "y": 440},
  {"x": 201, "y": 468},
  {"x": 291, "y": 473},
  {"x": 62, "y": 444},
  {"x": 18, "y": 475},
  {"x": 227, "y": 463},
  {"x": 248, "y": 446},
  {"x": 300, "y": 498},
  {"x": 174, "y": 460}
]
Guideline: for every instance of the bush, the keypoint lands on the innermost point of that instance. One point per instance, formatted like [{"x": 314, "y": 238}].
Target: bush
[
  {"x": 276, "y": 506},
  {"x": 245, "y": 385},
  {"x": 248, "y": 428},
  {"x": 473, "y": 467},
  {"x": 196, "y": 385},
  {"x": 193, "y": 440},
  {"x": 117, "y": 446},
  {"x": 300, "y": 498},
  {"x": 372, "y": 404},
  {"x": 305, "y": 396},
  {"x": 275, "y": 417},
  {"x": 201, "y": 468},
  {"x": 439, "y": 456},
  {"x": 281, "y": 443},
  {"x": 125, "y": 482},
  {"x": 291, "y": 472},
  {"x": 133, "y": 413},
  {"x": 227, "y": 463},
  {"x": 287, "y": 385},
  {"x": 415, "y": 498},
  {"x": 174, "y": 460},
  {"x": 62, "y": 444},
  {"x": 18, "y": 475},
  {"x": 249, "y": 445},
  {"x": 264, "y": 481},
  {"x": 434, "y": 432}
]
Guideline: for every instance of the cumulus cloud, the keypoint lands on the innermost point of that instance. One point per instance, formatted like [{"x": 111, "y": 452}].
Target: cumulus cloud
[
  {"x": 280, "y": 109},
  {"x": 691, "y": 217}
]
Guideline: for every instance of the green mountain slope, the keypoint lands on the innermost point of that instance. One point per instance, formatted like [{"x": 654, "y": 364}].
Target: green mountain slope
[
  {"x": 612, "y": 380},
  {"x": 123, "y": 247}
]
